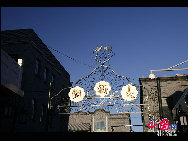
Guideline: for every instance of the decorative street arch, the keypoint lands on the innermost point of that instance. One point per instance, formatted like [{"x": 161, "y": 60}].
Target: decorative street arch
[{"x": 104, "y": 89}]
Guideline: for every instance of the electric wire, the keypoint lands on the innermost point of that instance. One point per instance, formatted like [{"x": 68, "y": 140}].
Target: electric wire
[
  {"x": 76, "y": 60},
  {"x": 178, "y": 64}
]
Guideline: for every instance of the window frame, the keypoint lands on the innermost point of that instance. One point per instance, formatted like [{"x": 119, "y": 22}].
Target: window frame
[{"x": 100, "y": 126}]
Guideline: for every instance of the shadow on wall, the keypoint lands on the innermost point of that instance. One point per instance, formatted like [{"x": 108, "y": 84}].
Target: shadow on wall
[{"x": 173, "y": 99}]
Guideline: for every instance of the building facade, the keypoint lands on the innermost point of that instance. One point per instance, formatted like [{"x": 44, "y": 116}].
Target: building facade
[
  {"x": 99, "y": 121},
  {"x": 39, "y": 69},
  {"x": 180, "y": 112},
  {"x": 11, "y": 96},
  {"x": 160, "y": 95}
]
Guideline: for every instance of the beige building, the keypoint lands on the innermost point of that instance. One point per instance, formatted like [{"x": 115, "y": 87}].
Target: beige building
[{"x": 99, "y": 121}]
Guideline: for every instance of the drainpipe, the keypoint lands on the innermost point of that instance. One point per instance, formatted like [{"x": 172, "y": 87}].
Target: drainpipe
[{"x": 159, "y": 98}]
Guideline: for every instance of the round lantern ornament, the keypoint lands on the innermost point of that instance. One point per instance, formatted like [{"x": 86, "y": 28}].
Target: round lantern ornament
[
  {"x": 129, "y": 92},
  {"x": 102, "y": 88},
  {"x": 76, "y": 94}
]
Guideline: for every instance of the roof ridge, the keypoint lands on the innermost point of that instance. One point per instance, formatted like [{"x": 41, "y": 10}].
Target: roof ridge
[{"x": 31, "y": 36}]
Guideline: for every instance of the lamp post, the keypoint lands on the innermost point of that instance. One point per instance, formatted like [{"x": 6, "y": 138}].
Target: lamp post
[{"x": 152, "y": 75}]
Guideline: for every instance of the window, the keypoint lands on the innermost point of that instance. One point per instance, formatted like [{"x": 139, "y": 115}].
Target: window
[
  {"x": 37, "y": 63},
  {"x": 183, "y": 120},
  {"x": 42, "y": 113},
  {"x": 22, "y": 118},
  {"x": 53, "y": 81},
  {"x": 8, "y": 111},
  {"x": 33, "y": 112},
  {"x": 100, "y": 126},
  {"x": 45, "y": 74},
  {"x": 20, "y": 62}
]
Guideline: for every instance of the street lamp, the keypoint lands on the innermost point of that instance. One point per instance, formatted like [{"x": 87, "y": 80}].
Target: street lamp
[{"x": 152, "y": 76}]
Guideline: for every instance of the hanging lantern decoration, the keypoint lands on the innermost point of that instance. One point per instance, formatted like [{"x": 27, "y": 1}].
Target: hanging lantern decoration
[
  {"x": 76, "y": 94},
  {"x": 102, "y": 88},
  {"x": 129, "y": 92}
]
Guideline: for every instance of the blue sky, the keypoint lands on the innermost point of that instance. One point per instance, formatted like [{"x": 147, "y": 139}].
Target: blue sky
[{"x": 143, "y": 38}]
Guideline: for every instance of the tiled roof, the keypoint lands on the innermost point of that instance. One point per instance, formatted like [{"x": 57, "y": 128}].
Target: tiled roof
[{"x": 79, "y": 127}]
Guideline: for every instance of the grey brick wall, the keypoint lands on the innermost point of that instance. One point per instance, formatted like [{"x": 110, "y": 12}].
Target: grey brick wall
[{"x": 161, "y": 94}]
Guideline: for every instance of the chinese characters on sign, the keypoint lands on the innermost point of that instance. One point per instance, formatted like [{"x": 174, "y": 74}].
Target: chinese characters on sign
[
  {"x": 129, "y": 92},
  {"x": 102, "y": 88},
  {"x": 76, "y": 94}
]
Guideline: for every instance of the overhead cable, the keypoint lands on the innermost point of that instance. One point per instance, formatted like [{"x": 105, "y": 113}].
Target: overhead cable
[{"x": 76, "y": 60}]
